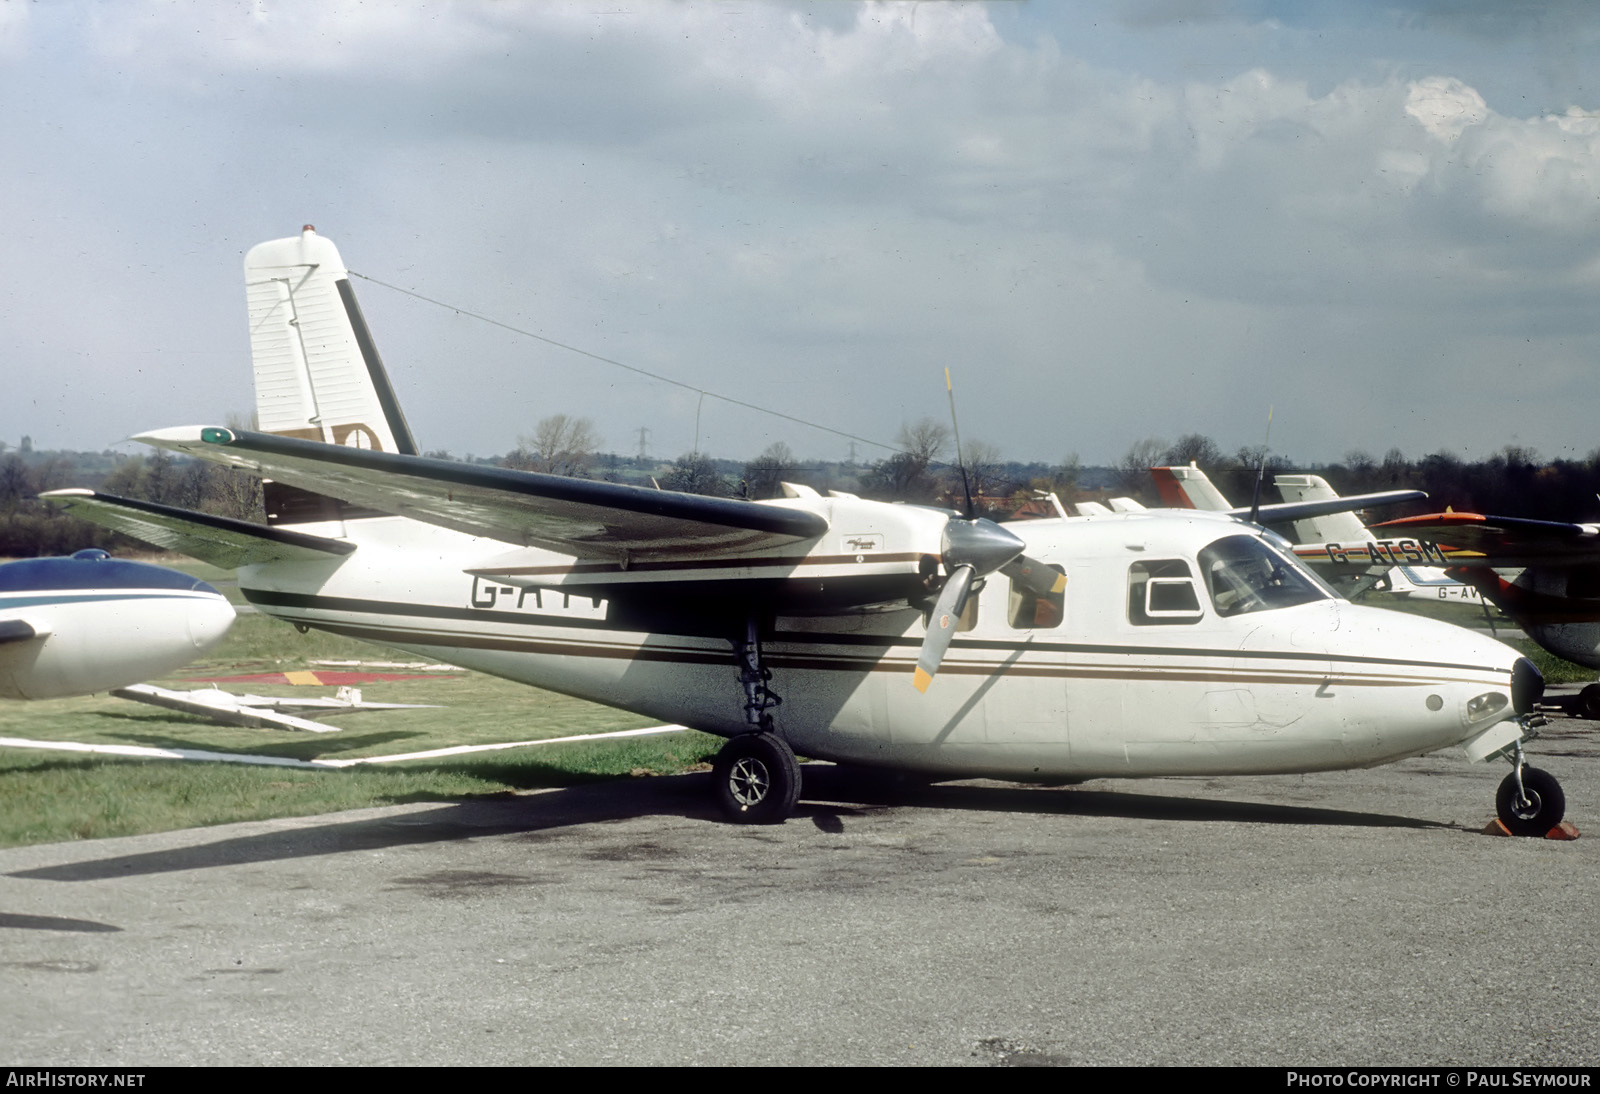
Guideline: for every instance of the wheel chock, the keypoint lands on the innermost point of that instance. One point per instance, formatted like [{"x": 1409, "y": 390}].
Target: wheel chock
[{"x": 1563, "y": 831}]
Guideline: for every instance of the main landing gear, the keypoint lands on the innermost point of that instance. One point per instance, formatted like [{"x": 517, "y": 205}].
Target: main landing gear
[
  {"x": 756, "y": 778},
  {"x": 1529, "y": 801}
]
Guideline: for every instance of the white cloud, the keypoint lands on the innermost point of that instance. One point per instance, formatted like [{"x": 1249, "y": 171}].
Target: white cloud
[
  {"x": 1445, "y": 106},
  {"x": 827, "y": 202}
]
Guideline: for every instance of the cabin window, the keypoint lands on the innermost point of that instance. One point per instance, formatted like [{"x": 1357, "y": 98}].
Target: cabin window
[
  {"x": 1028, "y": 610},
  {"x": 1244, "y": 574},
  {"x": 1162, "y": 591}
]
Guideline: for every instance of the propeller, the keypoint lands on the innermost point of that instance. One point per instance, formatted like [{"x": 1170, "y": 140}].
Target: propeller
[
  {"x": 974, "y": 547},
  {"x": 1036, "y": 577}
]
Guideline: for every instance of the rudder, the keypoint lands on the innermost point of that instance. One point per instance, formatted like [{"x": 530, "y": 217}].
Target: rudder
[{"x": 317, "y": 371}]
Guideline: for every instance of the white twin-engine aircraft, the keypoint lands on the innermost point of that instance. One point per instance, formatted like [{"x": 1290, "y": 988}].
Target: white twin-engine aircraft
[{"x": 1125, "y": 645}]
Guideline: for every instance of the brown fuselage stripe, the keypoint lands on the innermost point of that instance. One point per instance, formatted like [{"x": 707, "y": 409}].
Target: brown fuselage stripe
[
  {"x": 786, "y": 562},
  {"x": 705, "y": 657}
]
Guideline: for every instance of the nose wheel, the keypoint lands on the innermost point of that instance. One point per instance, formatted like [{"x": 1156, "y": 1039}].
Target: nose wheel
[
  {"x": 1529, "y": 802},
  {"x": 756, "y": 779},
  {"x": 1532, "y": 808}
]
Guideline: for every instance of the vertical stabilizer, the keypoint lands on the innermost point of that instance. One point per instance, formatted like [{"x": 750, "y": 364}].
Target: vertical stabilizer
[
  {"x": 318, "y": 375},
  {"x": 1188, "y": 488},
  {"x": 1329, "y": 528}
]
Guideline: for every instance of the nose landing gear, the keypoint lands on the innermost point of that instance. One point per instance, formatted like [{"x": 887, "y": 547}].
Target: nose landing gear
[{"x": 1530, "y": 801}]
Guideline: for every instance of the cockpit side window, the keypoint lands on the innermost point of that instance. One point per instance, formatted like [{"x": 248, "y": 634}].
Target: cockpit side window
[
  {"x": 1243, "y": 574},
  {"x": 1161, "y": 591},
  {"x": 1029, "y": 610}
]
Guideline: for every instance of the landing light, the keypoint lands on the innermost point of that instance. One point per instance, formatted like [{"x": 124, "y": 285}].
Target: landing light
[{"x": 1492, "y": 702}]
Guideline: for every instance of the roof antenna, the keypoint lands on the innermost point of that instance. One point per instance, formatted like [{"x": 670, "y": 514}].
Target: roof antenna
[
  {"x": 961, "y": 461},
  {"x": 1261, "y": 470}
]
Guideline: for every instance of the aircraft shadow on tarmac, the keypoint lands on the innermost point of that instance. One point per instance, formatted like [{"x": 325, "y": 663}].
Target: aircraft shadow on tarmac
[
  {"x": 20, "y": 922},
  {"x": 832, "y": 798}
]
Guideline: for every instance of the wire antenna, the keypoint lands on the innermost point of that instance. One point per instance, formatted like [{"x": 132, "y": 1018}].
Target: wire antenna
[
  {"x": 961, "y": 460},
  {"x": 1261, "y": 471}
]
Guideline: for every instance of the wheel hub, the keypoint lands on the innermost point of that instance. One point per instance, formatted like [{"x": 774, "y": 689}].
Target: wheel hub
[{"x": 748, "y": 781}]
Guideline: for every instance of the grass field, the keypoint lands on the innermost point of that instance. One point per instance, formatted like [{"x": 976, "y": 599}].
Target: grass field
[{"x": 48, "y": 796}]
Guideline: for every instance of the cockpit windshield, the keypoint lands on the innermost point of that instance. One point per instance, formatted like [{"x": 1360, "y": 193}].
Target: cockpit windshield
[{"x": 1245, "y": 574}]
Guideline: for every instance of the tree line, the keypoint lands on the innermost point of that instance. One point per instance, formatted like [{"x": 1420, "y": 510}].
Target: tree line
[
  {"x": 927, "y": 469},
  {"x": 30, "y": 527}
]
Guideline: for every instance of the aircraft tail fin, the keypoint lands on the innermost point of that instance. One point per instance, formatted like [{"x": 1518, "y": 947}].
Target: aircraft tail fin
[
  {"x": 318, "y": 376},
  {"x": 1343, "y": 527},
  {"x": 1188, "y": 488}
]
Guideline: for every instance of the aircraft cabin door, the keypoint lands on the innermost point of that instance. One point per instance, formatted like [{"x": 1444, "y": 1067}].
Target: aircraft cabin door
[{"x": 1028, "y": 707}]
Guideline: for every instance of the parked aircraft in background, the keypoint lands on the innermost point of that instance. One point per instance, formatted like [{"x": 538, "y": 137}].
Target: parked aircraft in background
[
  {"x": 257, "y": 711},
  {"x": 1337, "y": 543},
  {"x": 1122, "y": 645},
  {"x": 1555, "y": 598},
  {"x": 91, "y": 623},
  {"x": 1552, "y": 593}
]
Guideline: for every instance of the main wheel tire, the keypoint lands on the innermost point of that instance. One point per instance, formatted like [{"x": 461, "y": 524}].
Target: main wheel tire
[
  {"x": 756, "y": 779},
  {"x": 1588, "y": 705},
  {"x": 1541, "y": 809}
]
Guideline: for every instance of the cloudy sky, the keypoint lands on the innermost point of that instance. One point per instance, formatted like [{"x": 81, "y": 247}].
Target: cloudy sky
[{"x": 1111, "y": 220}]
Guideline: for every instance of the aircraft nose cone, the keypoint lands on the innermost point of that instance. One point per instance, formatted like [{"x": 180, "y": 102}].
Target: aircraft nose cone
[
  {"x": 1527, "y": 686},
  {"x": 209, "y": 619}
]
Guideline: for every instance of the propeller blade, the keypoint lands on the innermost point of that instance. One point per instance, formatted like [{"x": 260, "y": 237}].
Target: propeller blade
[
  {"x": 1035, "y": 576},
  {"x": 942, "y": 624}
]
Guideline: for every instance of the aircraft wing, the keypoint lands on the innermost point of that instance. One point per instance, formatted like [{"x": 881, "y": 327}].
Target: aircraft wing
[
  {"x": 1285, "y": 511},
  {"x": 1190, "y": 488},
  {"x": 1502, "y": 541},
  {"x": 220, "y": 707},
  {"x": 573, "y": 516},
  {"x": 221, "y": 541}
]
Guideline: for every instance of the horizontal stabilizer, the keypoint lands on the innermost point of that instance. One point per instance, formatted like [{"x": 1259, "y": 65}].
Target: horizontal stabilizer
[
  {"x": 574, "y": 516},
  {"x": 221, "y": 541}
]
